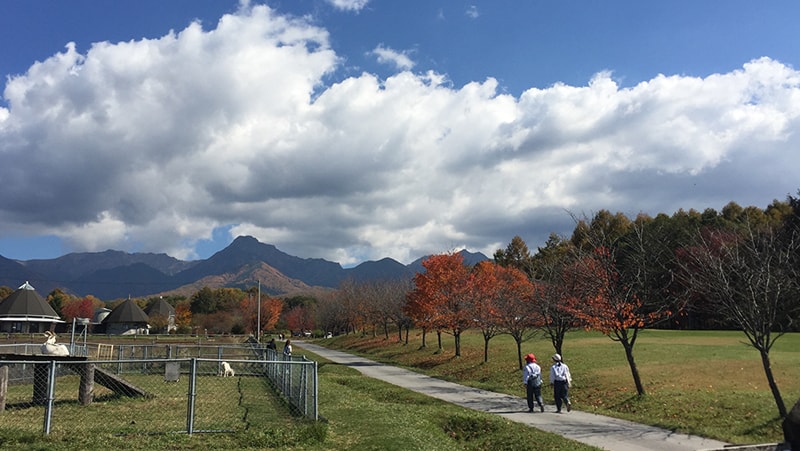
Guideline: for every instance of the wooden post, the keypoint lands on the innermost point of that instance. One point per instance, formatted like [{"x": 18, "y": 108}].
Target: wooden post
[
  {"x": 86, "y": 388},
  {"x": 3, "y": 386}
]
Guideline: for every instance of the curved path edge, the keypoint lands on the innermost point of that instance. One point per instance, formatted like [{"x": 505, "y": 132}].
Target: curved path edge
[{"x": 596, "y": 430}]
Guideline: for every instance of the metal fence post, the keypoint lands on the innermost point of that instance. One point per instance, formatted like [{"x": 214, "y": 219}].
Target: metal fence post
[
  {"x": 316, "y": 391},
  {"x": 51, "y": 392},
  {"x": 192, "y": 396},
  {"x": 303, "y": 399}
]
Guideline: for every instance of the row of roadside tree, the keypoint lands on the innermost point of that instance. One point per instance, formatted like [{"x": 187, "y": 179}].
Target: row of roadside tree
[{"x": 734, "y": 269}]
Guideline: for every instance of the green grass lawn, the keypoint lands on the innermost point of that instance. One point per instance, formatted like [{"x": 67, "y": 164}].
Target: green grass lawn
[
  {"x": 359, "y": 414},
  {"x": 707, "y": 383}
]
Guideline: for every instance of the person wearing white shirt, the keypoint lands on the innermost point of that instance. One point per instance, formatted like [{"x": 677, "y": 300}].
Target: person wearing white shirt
[
  {"x": 560, "y": 379},
  {"x": 532, "y": 379}
]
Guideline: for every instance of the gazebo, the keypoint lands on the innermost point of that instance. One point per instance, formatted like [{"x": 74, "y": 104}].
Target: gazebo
[
  {"x": 26, "y": 311},
  {"x": 127, "y": 319}
]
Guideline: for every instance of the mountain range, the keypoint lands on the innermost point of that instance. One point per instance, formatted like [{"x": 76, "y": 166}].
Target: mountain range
[{"x": 111, "y": 274}]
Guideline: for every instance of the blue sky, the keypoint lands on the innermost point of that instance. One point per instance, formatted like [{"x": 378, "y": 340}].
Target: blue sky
[{"x": 354, "y": 130}]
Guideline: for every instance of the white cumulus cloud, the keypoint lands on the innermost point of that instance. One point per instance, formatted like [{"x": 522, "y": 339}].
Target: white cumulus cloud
[
  {"x": 349, "y": 5},
  {"x": 400, "y": 60},
  {"x": 152, "y": 144}
]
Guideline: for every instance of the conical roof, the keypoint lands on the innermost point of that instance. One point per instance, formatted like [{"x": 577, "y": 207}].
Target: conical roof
[
  {"x": 127, "y": 312},
  {"x": 160, "y": 307},
  {"x": 27, "y": 303}
]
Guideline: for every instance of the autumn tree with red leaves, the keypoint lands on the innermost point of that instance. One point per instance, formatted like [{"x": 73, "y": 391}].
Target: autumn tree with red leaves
[
  {"x": 299, "y": 319},
  {"x": 441, "y": 298},
  {"x": 270, "y": 312},
  {"x": 78, "y": 308},
  {"x": 484, "y": 283},
  {"x": 514, "y": 303},
  {"x": 552, "y": 279},
  {"x": 615, "y": 283}
]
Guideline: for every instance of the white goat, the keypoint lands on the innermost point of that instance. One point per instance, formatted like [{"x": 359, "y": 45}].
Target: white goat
[
  {"x": 226, "y": 370},
  {"x": 51, "y": 348}
]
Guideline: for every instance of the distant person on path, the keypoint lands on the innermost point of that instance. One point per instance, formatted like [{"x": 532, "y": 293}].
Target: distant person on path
[
  {"x": 287, "y": 348},
  {"x": 560, "y": 379},
  {"x": 532, "y": 379}
]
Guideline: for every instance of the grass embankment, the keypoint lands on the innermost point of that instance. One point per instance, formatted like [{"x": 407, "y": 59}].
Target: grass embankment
[
  {"x": 706, "y": 383},
  {"x": 360, "y": 414}
]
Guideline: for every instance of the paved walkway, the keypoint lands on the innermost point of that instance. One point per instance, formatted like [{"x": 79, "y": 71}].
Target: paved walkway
[{"x": 596, "y": 430}]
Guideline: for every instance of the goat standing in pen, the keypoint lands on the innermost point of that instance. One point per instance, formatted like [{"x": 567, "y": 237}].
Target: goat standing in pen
[{"x": 226, "y": 370}]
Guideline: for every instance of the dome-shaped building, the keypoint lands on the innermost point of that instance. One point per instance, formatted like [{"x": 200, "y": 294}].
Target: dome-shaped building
[
  {"x": 127, "y": 319},
  {"x": 25, "y": 311}
]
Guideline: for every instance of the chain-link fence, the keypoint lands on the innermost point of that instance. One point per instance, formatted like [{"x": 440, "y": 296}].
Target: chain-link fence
[{"x": 73, "y": 395}]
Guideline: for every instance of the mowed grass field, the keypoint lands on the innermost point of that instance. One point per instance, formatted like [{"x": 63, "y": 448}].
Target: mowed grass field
[
  {"x": 358, "y": 414},
  {"x": 708, "y": 383}
]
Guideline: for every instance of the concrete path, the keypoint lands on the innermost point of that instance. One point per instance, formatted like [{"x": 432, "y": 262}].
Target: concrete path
[{"x": 596, "y": 430}]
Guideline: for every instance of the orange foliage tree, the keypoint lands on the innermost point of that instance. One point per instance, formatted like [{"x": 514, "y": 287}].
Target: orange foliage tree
[
  {"x": 516, "y": 300},
  {"x": 299, "y": 319},
  {"x": 484, "y": 282},
  {"x": 613, "y": 305},
  {"x": 442, "y": 297},
  {"x": 183, "y": 317},
  {"x": 618, "y": 269},
  {"x": 270, "y": 312},
  {"x": 504, "y": 304}
]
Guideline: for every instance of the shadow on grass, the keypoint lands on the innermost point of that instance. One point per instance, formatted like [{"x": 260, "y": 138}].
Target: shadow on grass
[
  {"x": 764, "y": 428},
  {"x": 64, "y": 402},
  {"x": 626, "y": 402}
]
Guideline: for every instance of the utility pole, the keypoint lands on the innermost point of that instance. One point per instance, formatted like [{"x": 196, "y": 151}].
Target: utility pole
[{"x": 258, "y": 323}]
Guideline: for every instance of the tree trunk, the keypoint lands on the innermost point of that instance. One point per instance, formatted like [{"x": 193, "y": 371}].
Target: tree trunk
[
  {"x": 457, "y": 337},
  {"x": 485, "y": 349},
  {"x": 518, "y": 340},
  {"x": 424, "y": 338},
  {"x": 559, "y": 344},
  {"x": 439, "y": 337},
  {"x": 634, "y": 370},
  {"x": 772, "y": 384}
]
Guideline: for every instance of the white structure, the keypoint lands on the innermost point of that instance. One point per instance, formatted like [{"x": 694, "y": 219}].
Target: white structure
[{"x": 51, "y": 348}]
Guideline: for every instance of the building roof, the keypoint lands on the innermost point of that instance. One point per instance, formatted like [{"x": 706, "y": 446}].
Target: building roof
[
  {"x": 127, "y": 312},
  {"x": 160, "y": 307},
  {"x": 27, "y": 304}
]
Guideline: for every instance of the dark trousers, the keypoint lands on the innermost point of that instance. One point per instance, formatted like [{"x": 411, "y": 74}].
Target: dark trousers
[
  {"x": 533, "y": 392},
  {"x": 561, "y": 392}
]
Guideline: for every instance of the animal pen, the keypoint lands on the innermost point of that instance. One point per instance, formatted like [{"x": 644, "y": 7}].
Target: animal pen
[{"x": 155, "y": 389}]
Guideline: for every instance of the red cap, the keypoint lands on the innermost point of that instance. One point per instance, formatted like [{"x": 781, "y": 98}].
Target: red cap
[{"x": 530, "y": 358}]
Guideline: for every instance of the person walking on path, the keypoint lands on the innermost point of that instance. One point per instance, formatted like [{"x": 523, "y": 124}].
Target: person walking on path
[
  {"x": 287, "y": 349},
  {"x": 532, "y": 379},
  {"x": 560, "y": 380}
]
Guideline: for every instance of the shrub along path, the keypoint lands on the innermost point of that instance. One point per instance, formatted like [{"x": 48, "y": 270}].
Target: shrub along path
[{"x": 596, "y": 430}]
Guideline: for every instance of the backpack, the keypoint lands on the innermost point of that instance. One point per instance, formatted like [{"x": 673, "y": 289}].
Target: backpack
[{"x": 536, "y": 379}]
